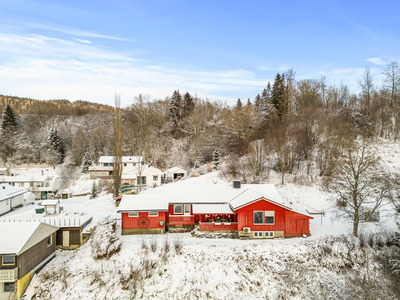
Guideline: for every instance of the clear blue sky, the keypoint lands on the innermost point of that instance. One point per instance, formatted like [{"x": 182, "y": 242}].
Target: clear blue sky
[{"x": 222, "y": 50}]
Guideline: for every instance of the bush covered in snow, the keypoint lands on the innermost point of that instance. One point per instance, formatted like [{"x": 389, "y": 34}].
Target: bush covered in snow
[{"x": 104, "y": 241}]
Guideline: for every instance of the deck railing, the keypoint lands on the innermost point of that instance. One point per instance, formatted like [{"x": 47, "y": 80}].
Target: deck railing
[
  {"x": 207, "y": 226},
  {"x": 181, "y": 220},
  {"x": 9, "y": 275}
]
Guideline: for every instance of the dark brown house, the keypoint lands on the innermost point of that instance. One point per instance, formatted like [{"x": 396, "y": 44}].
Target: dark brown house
[{"x": 25, "y": 247}]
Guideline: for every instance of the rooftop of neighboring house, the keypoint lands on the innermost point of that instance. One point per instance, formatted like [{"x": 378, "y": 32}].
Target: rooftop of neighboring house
[
  {"x": 141, "y": 168},
  {"x": 17, "y": 237},
  {"x": 174, "y": 169},
  {"x": 25, "y": 178},
  {"x": 7, "y": 191},
  {"x": 125, "y": 159}
]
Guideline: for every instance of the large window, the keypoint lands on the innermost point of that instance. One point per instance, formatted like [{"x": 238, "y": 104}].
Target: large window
[
  {"x": 9, "y": 286},
  {"x": 264, "y": 217},
  {"x": 141, "y": 180},
  {"x": 178, "y": 209},
  {"x": 8, "y": 260},
  {"x": 258, "y": 217},
  {"x": 269, "y": 218}
]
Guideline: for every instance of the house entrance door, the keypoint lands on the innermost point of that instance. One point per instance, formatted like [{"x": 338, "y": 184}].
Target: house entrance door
[
  {"x": 65, "y": 239},
  {"x": 187, "y": 209}
]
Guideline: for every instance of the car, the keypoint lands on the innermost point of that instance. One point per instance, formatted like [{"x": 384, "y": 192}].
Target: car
[{"x": 129, "y": 191}]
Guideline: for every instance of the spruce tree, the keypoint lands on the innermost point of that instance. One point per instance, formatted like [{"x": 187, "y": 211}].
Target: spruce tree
[
  {"x": 8, "y": 119},
  {"x": 94, "y": 193},
  {"x": 175, "y": 106},
  {"x": 279, "y": 96},
  {"x": 216, "y": 159},
  {"x": 239, "y": 103},
  {"x": 188, "y": 104},
  {"x": 86, "y": 163},
  {"x": 248, "y": 102},
  {"x": 258, "y": 103},
  {"x": 54, "y": 147}
]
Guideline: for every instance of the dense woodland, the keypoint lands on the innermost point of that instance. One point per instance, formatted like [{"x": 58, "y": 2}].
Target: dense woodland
[{"x": 289, "y": 124}]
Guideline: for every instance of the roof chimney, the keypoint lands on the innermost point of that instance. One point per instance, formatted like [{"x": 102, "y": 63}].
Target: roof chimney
[{"x": 236, "y": 184}]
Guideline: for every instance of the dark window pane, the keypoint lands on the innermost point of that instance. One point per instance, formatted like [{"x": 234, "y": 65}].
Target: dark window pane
[{"x": 258, "y": 217}]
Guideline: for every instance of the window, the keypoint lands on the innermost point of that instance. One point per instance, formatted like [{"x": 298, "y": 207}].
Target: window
[
  {"x": 258, "y": 217},
  {"x": 7, "y": 202},
  {"x": 125, "y": 164},
  {"x": 106, "y": 164},
  {"x": 111, "y": 164},
  {"x": 153, "y": 214},
  {"x": 269, "y": 218},
  {"x": 155, "y": 178},
  {"x": 269, "y": 234},
  {"x": 49, "y": 240},
  {"x": 141, "y": 182},
  {"x": 258, "y": 234},
  {"x": 8, "y": 260},
  {"x": 187, "y": 209},
  {"x": 9, "y": 286},
  {"x": 178, "y": 209},
  {"x": 133, "y": 215},
  {"x": 31, "y": 183}
]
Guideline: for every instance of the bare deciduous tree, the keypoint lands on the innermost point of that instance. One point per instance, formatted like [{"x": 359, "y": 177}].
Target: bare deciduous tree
[{"x": 117, "y": 166}]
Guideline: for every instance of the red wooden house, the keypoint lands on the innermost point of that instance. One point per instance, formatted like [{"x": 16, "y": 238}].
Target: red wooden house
[{"x": 253, "y": 211}]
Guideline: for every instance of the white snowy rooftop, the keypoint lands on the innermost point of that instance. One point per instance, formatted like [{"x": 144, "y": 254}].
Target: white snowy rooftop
[
  {"x": 174, "y": 169},
  {"x": 17, "y": 237},
  {"x": 125, "y": 159},
  {"x": 142, "y": 203},
  {"x": 140, "y": 169},
  {"x": 7, "y": 191},
  {"x": 50, "y": 202},
  {"x": 211, "y": 209},
  {"x": 25, "y": 178},
  {"x": 254, "y": 192}
]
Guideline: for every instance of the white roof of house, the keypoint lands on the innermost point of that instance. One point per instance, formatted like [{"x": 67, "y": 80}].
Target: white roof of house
[
  {"x": 176, "y": 169},
  {"x": 17, "y": 237},
  {"x": 8, "y": 191},
  {"x": 212, "y": 209},
  {"x": 25, "y": 178},
  {"x": 50, "y": 202},
  {"x": 29, "y": 194},
  {"x": 3, "y": 169},
  {"x": 65, "y": 191},
  {"x": 125, "y": 159},
  {"x": 249, "y": 194},
  {"x": 142, "y": 203},
  {"x": 145, "y": 169}
]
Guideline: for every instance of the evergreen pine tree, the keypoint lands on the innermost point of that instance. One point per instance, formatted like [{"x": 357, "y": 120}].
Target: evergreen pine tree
[
  {"x": 279, "y": 95},
  {"x": 239, "y": 103},
  {"x": 248, "y": 102},
  {"x": 257, "y": 102},
  {"x": 8, "y": 119},
  {"x": 216, "y": 159},
  {"x": 188, "y": 104},
  {"x": 175, "y": 107},
  {"x": 95, "y": 193},
  {"x": 55, "y": 147},
  {"x": 86, "y": 163}
]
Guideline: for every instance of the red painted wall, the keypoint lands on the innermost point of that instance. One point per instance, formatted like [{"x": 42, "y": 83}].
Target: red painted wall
[{"x": 132, "y": 222}]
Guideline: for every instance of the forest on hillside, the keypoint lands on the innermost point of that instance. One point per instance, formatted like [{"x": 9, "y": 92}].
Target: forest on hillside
[{"x": 290, "y": 124}]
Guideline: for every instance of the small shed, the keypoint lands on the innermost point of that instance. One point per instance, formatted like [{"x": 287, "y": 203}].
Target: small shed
[
  {"x": 175, "y": 173},
  {"x": 51, "y": 204},
  {"x": 29, "y": 198},
  {"x": 64, "y": 194}
]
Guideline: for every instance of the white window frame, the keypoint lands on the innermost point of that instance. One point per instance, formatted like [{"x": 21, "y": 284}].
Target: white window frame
[
  {"x": 7, "y": 264},
  {"x": 259, "y": 235},
  {"x": 262, "y": 218},
  {"x": 265, "y": 215},
  {"x": 176, "y": 205},
  {"x": 133, "y": 215},
  {"x": 267, "y": 234},
  {"x": 153, "y": 214},
  {"x": 184, "y": 209}
]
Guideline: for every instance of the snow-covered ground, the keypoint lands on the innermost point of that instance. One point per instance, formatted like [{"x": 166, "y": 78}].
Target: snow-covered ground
[{"x": 318, "y": 267}]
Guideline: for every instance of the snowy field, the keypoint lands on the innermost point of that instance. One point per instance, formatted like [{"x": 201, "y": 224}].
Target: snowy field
[{"x": 330, "y": 264}]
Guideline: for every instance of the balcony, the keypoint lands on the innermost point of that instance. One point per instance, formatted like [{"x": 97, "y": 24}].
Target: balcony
[
  {"x": 181, "y": 220},
  {"x": 9, "y": 275},
  {"x": 222, "y": 226}
]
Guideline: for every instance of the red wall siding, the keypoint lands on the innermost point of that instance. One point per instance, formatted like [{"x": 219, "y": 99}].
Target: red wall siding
[
  {"x": 246, "y": 216},
  {"x": 132, "y": 222}
]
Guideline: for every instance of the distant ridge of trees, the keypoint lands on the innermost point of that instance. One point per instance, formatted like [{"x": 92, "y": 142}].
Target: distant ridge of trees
[{"x": 52, "y": 107}]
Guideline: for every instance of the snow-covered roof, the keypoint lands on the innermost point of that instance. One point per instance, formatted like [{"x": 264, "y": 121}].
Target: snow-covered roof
[
  {"x": 65, "y": 191},
  {"x": 25, "y": 178},
  {"x": 212, "y": 209},
  {"x": 50, "y": 202},
  {"x": 29, "y": 194},
  {"x": 7, "y": 191},
  {"x": 3, "y": 169},
  {"x": 125, "y": 159},
  {"x": 145, "y": 168},
  {"x": 143, "y": 203},
  {"x": 175, "y": 169},
  {"x": 17, "y": 237},
  {"x": 249, "y": 194}
]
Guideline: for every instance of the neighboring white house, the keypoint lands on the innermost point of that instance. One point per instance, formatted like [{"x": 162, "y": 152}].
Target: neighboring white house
[
  {"x": 29, "y": 198},
  {"x": 175, "y": 173},
  {"x": 142, "y": 175},
  {"x": 41, "y": 185},
  {"x": 3, "y": 171},
  {"x": 10, "y": 197},
  {"x": 106, "y": 164}
]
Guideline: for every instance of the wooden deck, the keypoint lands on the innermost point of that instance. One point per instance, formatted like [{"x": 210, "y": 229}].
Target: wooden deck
[{"x": 223, "y": 226}]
